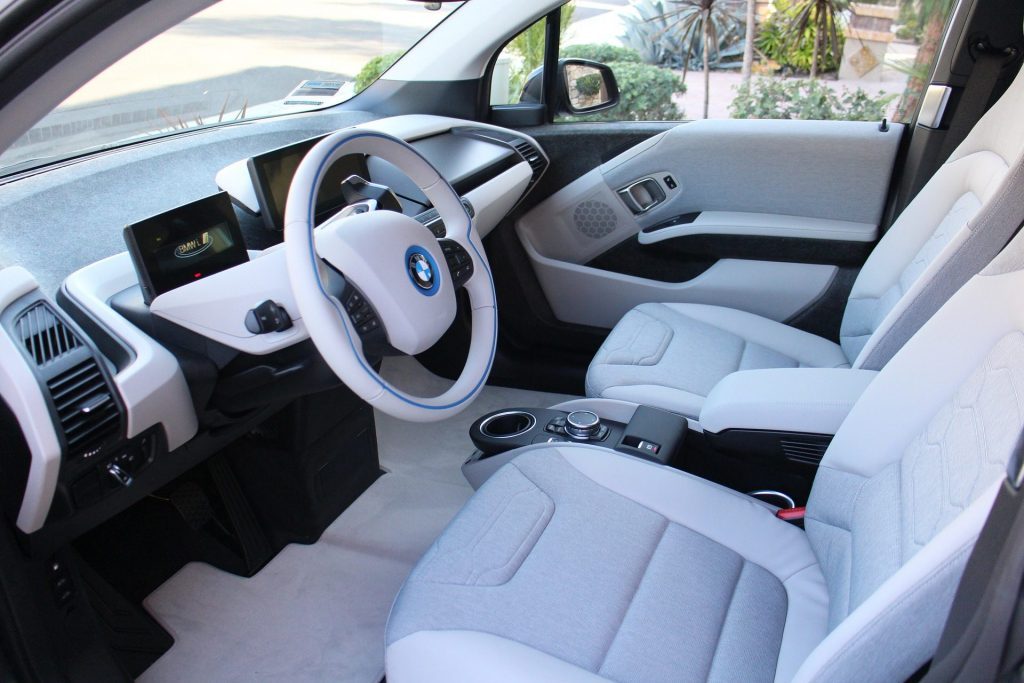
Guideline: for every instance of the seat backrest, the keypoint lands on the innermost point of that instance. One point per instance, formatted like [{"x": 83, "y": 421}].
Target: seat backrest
[
  {"x": 907, "y": 482},
  {"x": 956, "y": 224}
]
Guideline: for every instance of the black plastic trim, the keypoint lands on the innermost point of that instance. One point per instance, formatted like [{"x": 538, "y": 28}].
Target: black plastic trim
[
  {"x": 111, "y": 346},
  {"x": 683, "y": 258},
  {"x": 83, "y": 353},
  {"x": 791, "y": 449}
]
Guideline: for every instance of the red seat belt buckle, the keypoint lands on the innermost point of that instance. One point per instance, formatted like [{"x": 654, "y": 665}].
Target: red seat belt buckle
[{"x": 791, "y": 514}]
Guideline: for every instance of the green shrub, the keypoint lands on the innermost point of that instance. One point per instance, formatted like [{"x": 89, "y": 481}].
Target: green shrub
[
  {"x": 373, "y": 69},
  {"x": 777, "y": 98},
  {"x": 604, "y": 53},
  {"x": 774, "y": 43},
  {"x": 589, "y": 85},
  {"x": 645, "y": 94},
  {"x": 909, "y": 21}
]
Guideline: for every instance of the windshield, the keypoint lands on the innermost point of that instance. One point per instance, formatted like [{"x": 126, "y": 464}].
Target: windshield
[{"x": 237, "y": 60}]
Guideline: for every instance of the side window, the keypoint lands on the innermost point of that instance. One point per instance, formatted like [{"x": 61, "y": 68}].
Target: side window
[
  {"x": 521, "y": 58},
  {"x": 769, "y": 59}
]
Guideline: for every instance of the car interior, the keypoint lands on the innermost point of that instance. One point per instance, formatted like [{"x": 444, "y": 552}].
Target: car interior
[{"x": 410, "y": 385}]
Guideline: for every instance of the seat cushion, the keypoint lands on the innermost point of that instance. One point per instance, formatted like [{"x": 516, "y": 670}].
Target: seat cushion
[
  {"x": 632, "y": 571},
  {"x": 672, "y": 355}
]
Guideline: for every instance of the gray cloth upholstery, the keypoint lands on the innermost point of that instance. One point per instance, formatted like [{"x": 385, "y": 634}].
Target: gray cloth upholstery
[
  {"x": 625, "y": 570},
  {"x": 605, "y": 570},
  {"x": 982, "y": 236},
  {"x": 933, "y": 481},
  {"x": 672, "y": 355},
  {"x": 956, "y": 225}
]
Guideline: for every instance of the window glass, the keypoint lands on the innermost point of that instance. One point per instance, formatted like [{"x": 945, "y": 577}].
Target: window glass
[
  {"x": 521, "y": 58},
  {"x": 237, "y": 60},
  {"x": 797, "y": 59}
]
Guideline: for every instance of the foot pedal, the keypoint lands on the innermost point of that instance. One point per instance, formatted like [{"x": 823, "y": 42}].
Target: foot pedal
[
  {"x": 192, "y": 504},
  {"x": 256, "y": 548}
]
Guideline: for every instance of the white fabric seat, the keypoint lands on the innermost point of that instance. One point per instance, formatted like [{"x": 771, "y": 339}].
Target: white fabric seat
[
  {"x": 575, "y": 563},
  {"x": 671, "y": 355},
  {"x": 521, "y": 542}
]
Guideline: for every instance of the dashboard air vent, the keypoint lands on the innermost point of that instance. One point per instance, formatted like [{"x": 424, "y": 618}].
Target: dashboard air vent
[
  {"x": 806, "y": 452},
  {"x": 533, "y": 157},
  {"x": 45, "y": 336},
  {"x": 87, "y": 411}
]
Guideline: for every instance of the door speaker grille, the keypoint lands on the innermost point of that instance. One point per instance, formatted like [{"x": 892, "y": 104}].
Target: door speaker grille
[{"x": 595, "y": 219}]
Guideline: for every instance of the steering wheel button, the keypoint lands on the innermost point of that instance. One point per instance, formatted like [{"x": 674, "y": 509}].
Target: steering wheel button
[
  {"x": 354, "y": 301},
  {"x": 368, "y": 326}
]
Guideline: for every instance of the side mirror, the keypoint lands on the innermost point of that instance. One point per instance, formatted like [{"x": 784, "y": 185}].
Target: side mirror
[{"x": 584, "y": 87}]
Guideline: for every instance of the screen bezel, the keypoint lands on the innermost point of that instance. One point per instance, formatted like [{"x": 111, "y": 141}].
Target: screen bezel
[
  {"x": 198, "y": 216},
  {"x": 272, "y": 214}
]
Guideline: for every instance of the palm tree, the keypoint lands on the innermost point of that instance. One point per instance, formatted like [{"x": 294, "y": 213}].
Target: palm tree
[
  {"x": 748, "y": 45},
  {"x": 822, "y": 17},
  {"x": 700, "y": 24},
  {"x": 932, "y": 16}
]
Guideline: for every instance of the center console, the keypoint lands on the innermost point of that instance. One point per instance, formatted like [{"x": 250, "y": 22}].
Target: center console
[
  {"x": 760, "y": 432},
  {"x": 642, "y": 431}
]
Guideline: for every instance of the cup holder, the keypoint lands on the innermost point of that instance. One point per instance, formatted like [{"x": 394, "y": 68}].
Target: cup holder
[{"x": 508, "y": 424}]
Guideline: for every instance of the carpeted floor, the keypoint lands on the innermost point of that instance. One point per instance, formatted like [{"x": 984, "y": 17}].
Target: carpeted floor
[{"x": 317, "y": 613}]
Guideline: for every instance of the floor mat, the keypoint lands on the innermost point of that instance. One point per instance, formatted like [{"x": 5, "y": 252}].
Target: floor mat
[{"x": 318, "y": 612}]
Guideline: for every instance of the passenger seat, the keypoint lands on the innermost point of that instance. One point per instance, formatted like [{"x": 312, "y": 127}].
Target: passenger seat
[
  {"x": 671, "y": 355},
  {"x": 577, "y": 563}
]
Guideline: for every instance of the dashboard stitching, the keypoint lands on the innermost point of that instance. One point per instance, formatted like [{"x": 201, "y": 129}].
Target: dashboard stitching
[{"x": 334, "y": 302}]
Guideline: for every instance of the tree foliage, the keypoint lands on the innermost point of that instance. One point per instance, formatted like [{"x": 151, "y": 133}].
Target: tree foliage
[
  {"x": 822, "y": 18},
  {"x": 779, "y": 98}
]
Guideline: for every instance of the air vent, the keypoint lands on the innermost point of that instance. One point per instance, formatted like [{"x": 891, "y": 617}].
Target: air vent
[
  {"x": 806, "y": 452},
  {"x": 533, "y": 157},
  {"x": 45, "y": 336},
  {"x": 85, "y": 407}
]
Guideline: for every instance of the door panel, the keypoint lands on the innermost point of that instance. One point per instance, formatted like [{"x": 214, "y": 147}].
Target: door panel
[
  {"x": 755, "y": 215},
  {"x": 588, "y": 296}
]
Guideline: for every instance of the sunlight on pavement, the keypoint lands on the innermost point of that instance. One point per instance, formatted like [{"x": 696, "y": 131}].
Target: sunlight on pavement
[{"x": 326, "y": 37}]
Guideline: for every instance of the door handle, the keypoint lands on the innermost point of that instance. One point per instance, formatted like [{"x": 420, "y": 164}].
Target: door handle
[{"x": 642, "y": 195}]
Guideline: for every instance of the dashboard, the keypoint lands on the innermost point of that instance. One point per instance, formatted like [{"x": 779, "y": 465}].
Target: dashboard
[{"x": 150, "y": 359}]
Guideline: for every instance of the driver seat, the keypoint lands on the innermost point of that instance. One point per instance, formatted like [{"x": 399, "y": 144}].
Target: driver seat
[
  {"x": 671, "y": 355},
  {"x": 576, "y": 563}
]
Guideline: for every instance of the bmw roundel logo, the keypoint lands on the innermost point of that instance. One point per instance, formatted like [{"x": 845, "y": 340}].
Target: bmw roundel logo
[
  {"x": 422, "y": 273},
  {"x": 422, "y": 270}
]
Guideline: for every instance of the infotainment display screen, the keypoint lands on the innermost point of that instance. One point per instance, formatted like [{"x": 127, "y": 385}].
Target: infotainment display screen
[
  {"x": 272, "y": 174},
  {"x": 185, "y": 244}
]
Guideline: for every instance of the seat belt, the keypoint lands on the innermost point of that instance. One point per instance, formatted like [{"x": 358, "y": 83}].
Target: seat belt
[
  {"x": 982, "y": 638},
  {"x": 988, "y": 63}
]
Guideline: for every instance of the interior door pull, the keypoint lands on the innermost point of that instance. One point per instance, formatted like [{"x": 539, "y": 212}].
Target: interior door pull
[{"x": 642, "y": 195}]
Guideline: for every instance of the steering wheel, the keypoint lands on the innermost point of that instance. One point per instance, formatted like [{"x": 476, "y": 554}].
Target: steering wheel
[{"x": 400, "y": 280}]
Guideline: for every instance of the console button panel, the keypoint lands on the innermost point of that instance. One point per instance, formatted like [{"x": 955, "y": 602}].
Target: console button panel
[
  {"x": 557, "y": 426},
  {"x": 651, "y": 433}
]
